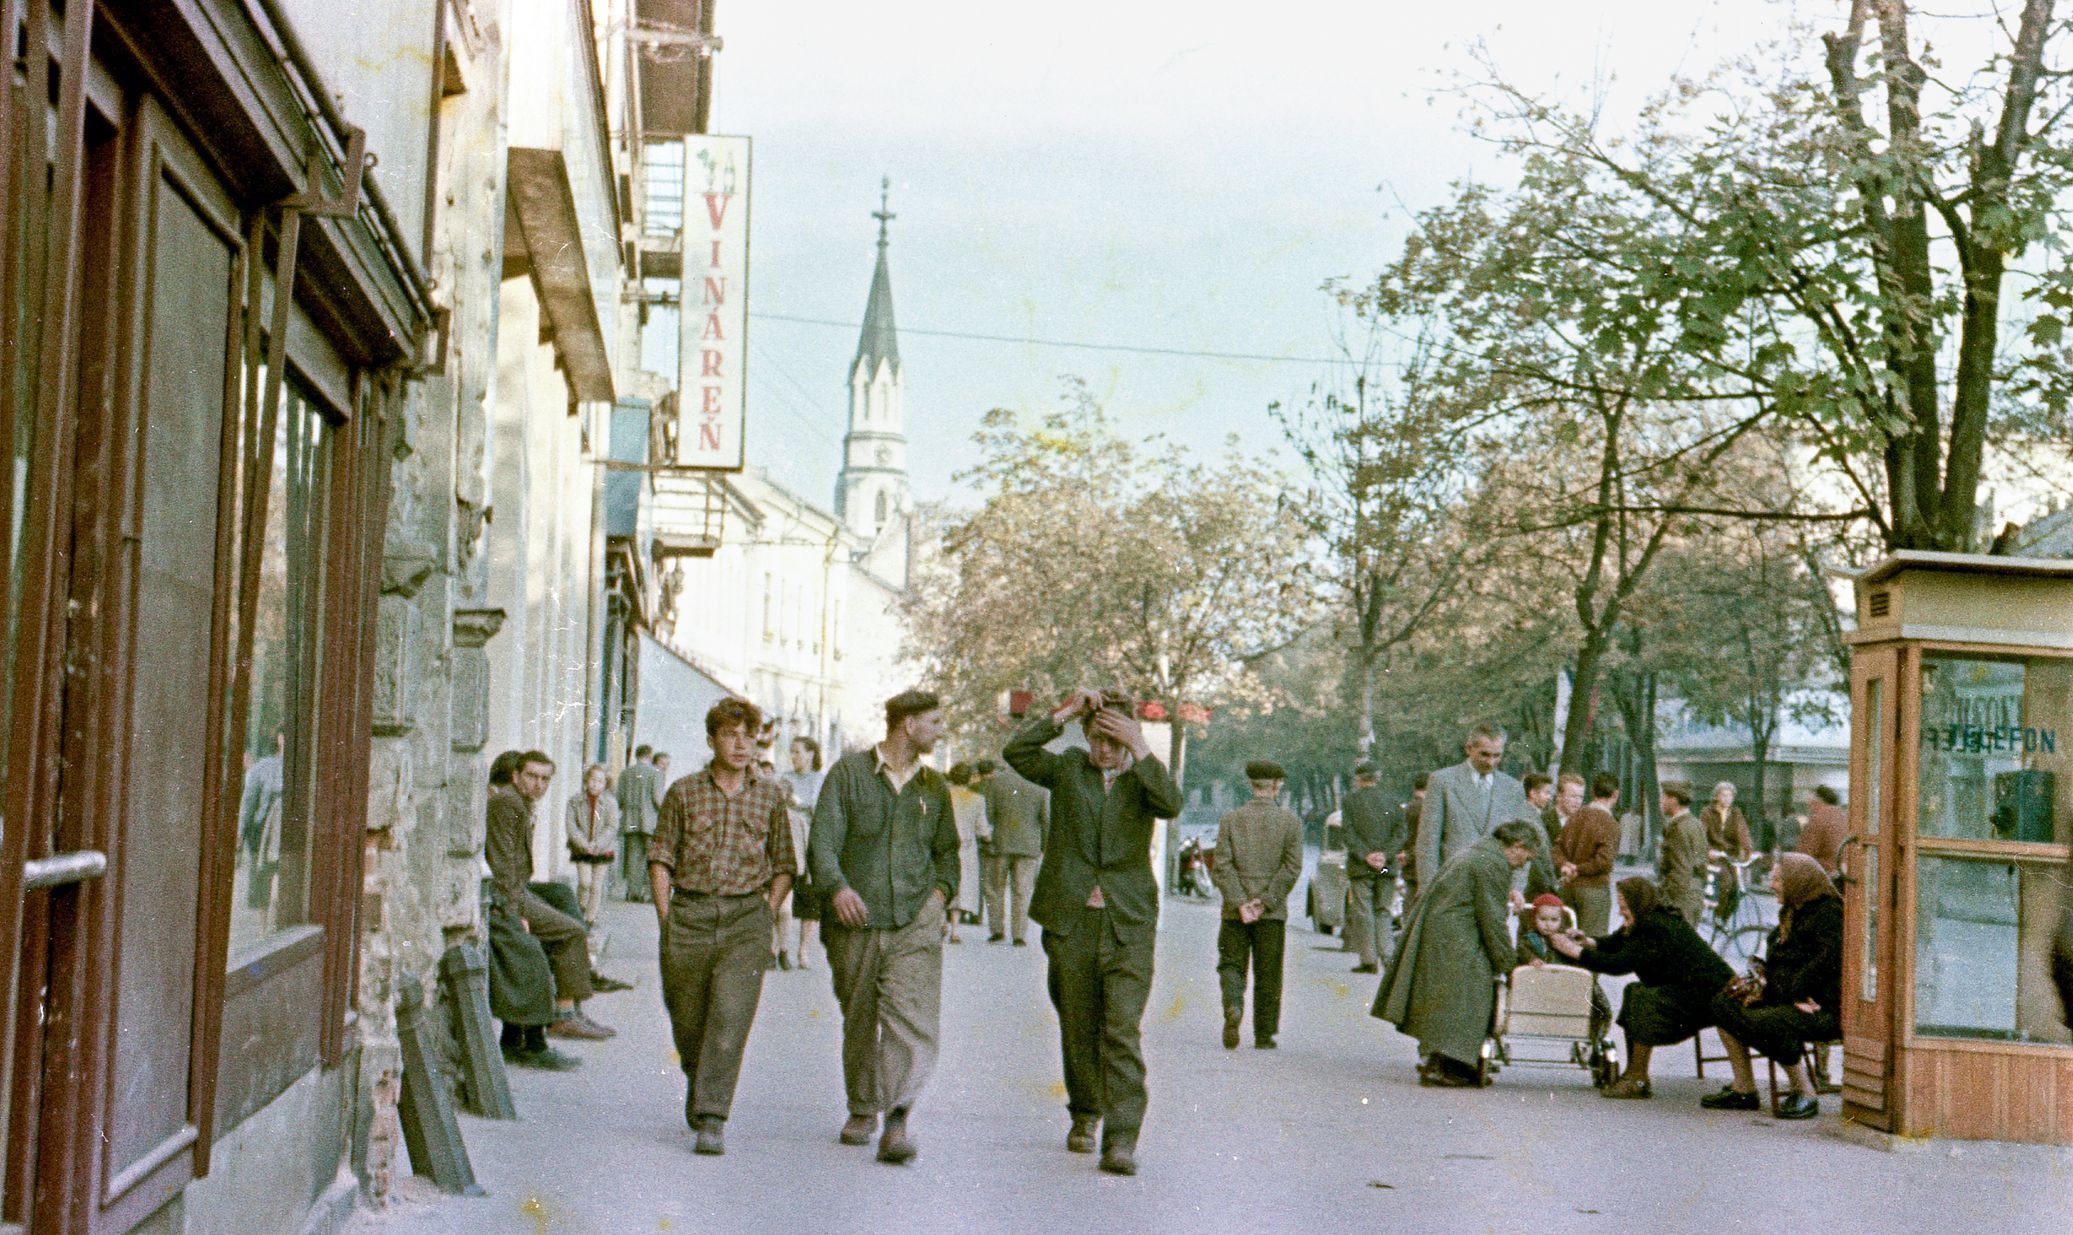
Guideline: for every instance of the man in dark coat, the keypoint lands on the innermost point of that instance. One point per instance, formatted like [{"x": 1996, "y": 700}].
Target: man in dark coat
[
  {"x": 1376, "y": 833},
  {"x": 1440, "y": 989},
  {"x": 640, "y": 793},
  {"x": 1099, "y": 907}
]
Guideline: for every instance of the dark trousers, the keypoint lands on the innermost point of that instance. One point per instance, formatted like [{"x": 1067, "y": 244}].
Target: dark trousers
[
  {"x": 1100, "y": 980},
  {"x": 714, "y": 951},
  {"x": 1258, "y": 944},
  {"x": 555, "y": 919},
  {"x": 633, "y": 856}
]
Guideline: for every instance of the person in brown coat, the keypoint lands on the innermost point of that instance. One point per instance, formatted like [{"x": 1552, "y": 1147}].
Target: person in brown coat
[
  {"x": 1584, "y": 855},
  {"x": 1826, "y": 830},
  {"x": 1727, "y": 828}
]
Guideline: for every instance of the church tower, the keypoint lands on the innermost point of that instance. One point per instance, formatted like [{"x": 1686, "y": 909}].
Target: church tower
[{"x": 871, "y": 490}]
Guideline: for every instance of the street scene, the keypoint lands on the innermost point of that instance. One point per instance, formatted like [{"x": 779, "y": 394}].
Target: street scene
[{"x": 646, "y": 615}]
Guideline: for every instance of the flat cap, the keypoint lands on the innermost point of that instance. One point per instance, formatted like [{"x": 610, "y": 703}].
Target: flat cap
[{"x": 1264, "y": 769}]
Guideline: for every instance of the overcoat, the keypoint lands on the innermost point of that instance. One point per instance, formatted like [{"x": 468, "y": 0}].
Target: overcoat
[
  {"x": 1439, "y": 988},
  {"x": 1681, "y": 866}
]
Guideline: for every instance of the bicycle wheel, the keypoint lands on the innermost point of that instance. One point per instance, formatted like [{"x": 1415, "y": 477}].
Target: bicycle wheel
[{"x": 1743, "y": 944}]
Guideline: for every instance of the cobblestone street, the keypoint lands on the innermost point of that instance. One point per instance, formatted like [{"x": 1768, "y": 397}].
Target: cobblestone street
[{"x": 1330, "y": 1132}]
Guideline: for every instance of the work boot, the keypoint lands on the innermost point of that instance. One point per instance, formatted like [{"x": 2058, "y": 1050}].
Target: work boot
[
  {"x": 896, "y": 1147},
  {"x": 1081, "y": 1139},
  {"x": 860, "y": 1129},
  {"x": 1118, "y": 1157},
  {"x": 1232, "y": 1018},
  {"x": 712, "y": 1141}
]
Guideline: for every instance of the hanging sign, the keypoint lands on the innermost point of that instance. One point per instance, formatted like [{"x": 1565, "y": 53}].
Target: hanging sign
[{"x": 712, "y": 397}]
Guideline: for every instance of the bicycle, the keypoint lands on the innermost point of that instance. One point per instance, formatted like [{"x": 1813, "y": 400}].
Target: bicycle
[{"x": 1734, "y": 925}]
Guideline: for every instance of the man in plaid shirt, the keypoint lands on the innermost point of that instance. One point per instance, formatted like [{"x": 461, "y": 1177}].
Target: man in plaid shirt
[{"x": 719, "y": 865}]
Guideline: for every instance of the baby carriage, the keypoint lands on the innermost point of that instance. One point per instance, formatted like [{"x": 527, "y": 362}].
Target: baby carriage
[{"x": 1550, "y": 1005}]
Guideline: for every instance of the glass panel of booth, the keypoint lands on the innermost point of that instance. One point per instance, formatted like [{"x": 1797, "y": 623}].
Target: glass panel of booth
[
  {"x": 1983, "y": 927},
  {"x": 1874, "y": 807},
  {"x": 1991, "y": 767}
]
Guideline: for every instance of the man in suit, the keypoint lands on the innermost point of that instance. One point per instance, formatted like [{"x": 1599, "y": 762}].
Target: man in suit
[
  {"x": 1375, "y": 835},
  {"x": 639, "y": 790},
  {"x": 1465, "y": 802},
  {"x": 1259, "y": 857},
  {"x": 1099, "y": 907},
  {"x": 1681, "y": 860},
  {"x": 1020, "y": 813}
]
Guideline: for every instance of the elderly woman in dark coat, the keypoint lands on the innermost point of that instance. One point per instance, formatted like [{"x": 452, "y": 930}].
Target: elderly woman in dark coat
[
  {"x": 1441, "y": 988},
  {"x": 1800, "y": 998},
  {"x": 1676, "y": 974}
]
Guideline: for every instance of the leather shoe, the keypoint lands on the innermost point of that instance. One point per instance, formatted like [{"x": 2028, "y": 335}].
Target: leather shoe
[
  {"x": 1081, "y": 1139},
  {"x": 996, "y": 937},
  {"x": 1447, "y": 1078},
  {"x": 1264, "y": 1043},
  {"x": 546, "y": 1059},
  {"x": 579, "y": 1027},
  {"x": 1730, "y": 1099},
  {"x": 711, "y": 1140},
  {"x": 1367, "y": 969},
  {"x": 1799, "y": 1106},
  {"x": 1119, "y": 1158},
  {"x": 605, "y": 986},
  {"x": 859, "y": 1129},
  {"x": 1628, "y": 1087},
  {"x": 895, "y": 1146},
  {"x": 1022, "y": 943},
  {"x": 1232, "y": 1017}
]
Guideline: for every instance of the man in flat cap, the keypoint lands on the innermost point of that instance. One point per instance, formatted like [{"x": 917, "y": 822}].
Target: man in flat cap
[
  {"x": 1376, "y": 833},
  {"x": 1099, "y": 907},
  {"x": 1259, "y": 857},
  {"x": 884, "y": 852}
]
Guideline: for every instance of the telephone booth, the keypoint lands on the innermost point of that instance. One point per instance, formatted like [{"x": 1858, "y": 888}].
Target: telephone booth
[{"x": 1961, "y": 809}]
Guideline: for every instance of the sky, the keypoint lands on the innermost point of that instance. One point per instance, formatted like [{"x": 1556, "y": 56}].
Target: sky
[{"x": 1167, "y": 175}]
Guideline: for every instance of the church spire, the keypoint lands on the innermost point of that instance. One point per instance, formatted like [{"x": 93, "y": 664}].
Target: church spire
[{"x": 880, "y": 342}]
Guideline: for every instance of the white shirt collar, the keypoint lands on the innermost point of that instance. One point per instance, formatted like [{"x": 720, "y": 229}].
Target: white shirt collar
[{"x": 899, "y": 782}]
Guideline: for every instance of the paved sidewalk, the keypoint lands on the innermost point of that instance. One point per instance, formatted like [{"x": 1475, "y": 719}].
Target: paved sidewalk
[{"x": 1330, "y": 1132}]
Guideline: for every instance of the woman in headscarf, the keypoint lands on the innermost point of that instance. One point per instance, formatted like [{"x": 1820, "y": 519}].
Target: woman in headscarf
[
  {"x": 1676, "y": 977},
  {"x": 1800, "y": 998}
]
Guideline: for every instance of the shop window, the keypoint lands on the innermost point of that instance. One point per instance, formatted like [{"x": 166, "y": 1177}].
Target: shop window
[
  {"x": 271, "y": 888},
  {"x": 1982, "y": 933},
  {"x": 1993, "y": 760}
]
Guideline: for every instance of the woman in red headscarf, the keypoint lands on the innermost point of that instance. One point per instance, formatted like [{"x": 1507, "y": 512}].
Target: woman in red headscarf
[{"x": 1800, "y": 997}]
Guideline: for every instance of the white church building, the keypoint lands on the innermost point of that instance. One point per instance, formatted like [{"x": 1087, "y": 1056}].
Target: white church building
[{"x": 769, "y": 596}]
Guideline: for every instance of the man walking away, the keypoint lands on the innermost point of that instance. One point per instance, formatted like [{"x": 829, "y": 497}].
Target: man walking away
[
  {"x": 1376, "y": 834},
  {"x": 1019, "y": 814},
  {"x": 508, "y": 848},
  {"x": 1826, "y": 829},
  {"x": 638, "y": 790},
  {"x": 720, "y": 865},
  {"x": 1584, "y": 856},
  {"x": 1467, "y": 800},
  {"x": 1681, "y": 861},
  {"x": 1259, "y": 857},
  {"x": 1099, "y": 907},
  {"x": 884, "y": 854}
]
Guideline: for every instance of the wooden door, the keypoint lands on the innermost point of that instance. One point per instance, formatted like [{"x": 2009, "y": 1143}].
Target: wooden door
[{"x": 1871, "y": 859}]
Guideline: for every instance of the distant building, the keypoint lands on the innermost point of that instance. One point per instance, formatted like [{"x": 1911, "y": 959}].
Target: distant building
[{"x": 1810, "y": 747}]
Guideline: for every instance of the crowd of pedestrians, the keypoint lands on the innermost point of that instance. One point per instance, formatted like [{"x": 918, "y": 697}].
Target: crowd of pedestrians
[{"x": 889, "y": 860}]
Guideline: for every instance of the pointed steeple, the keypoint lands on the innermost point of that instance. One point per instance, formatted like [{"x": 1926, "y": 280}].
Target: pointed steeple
[
  {"x": 871, "y": 492},
  {"x": 880, "y": 342}
]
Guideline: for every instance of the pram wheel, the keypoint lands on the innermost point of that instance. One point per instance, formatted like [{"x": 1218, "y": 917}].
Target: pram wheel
[{"x": 1605, "y": 1064}]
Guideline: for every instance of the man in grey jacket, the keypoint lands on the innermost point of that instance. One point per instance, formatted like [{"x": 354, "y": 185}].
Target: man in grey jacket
[
  {"x": 1466, "y": 802},
  {"x": 640, "y": 791},
  {"x": 1020, "y": 814}
]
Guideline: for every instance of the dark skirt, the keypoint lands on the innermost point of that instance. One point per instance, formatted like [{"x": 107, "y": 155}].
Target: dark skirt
[
  {"x": 1776, "y": 1031},
  {"x": 806, "y": 900},
  {"x": 1662, "y": 1015}
]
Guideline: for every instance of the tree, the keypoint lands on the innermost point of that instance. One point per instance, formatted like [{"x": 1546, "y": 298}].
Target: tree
[
  {"x": 1854, "y": 222},
  {"x": 1096, "y": 560},
  {"x": 1385, "y": 472}
]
